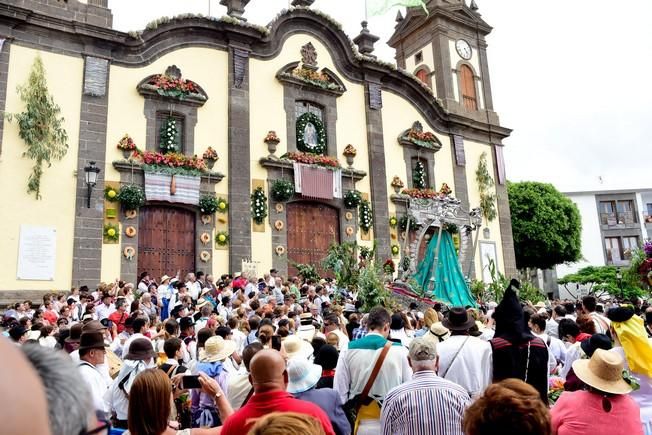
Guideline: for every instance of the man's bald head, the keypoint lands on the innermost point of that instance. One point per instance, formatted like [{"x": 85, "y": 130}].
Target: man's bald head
[
  {"x": 24, "y": 410},
  {"x": 268, "y": 371}
]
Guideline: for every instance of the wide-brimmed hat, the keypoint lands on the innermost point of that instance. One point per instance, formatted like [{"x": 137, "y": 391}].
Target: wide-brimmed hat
[
  {"x": 217, "y": 349},
  {"x": 186, "y": 322},
  {"x": 201, "y": 302},
  {"x": 458, "y": 320},
  {"x": 93, "y": 326},
  {"x": 139, "y": 350},
  {"x": 75, "y": 333},
  {"x": 540, "y": 304},
  {"x": 204, "y": 291},
  {"x": 302, "y": 375},
  {"x": 597, "y": 341},
  {"x": 91, "y": 340},
  {"x": 295, "y": 347},
  {"x": 439, "y": 331},
  {"x": 604, "y": 372},
  {"x": 164, "y": 278}
]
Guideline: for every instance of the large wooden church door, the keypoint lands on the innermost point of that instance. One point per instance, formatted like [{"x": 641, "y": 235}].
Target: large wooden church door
[
  {"x": 166, "y": 241},
  {"x": 312, "y": 228}
]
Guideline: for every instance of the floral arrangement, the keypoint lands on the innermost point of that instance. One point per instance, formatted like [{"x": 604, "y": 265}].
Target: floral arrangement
[
  {"x": 110, "y": 194},
  {"x": 349, "y": 151},
  {"x": 396, "y": 182},
  {"x": 282, "y": 190},
  {"x": 210, "y": 154},
  {"x": 258, "y": 205},
  {"x": 271, "y": 137},
  {"x": 222, "y": 205},
  {"x": 421, "y": 136},
  {"x": 352, "y": 198},
  {"x": 169, "y": 135},
  {"x": 320, "y": 132},
  {"x": 405, "y": 263},
  {"x": 111, "y": 232},
  {"x": 555, "y": 388},
  {"x": 131, "y": 197},
  {"x": 395, "y": 250},
  {"x": 174, "y": 87},
  {"x": 647, "y": 248},
  {"x": 366, "y": 253},
  {"x": 366, "y": 216},
  {"x": 315, "y": 78},
  {"x": 419, "y": 175},
  {"x": 402, "y": 223},
  {"x": 445, "y": 190},
  {"x": 126, "y": 143},
  {"x": 388, "y": 266},
  {"x": 416, "y": 136},
  {"x": 393, "y": 221},
  {"x": 313, "y": 159},
  {"x": 222, "y": 238},
  {"x": 422, "y": 193},
  {"x": 171, "y": 163},
  {"x": 208, "y": 204}
]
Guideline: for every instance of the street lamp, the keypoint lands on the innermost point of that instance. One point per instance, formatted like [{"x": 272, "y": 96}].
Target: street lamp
[{"x": 91, "y": 171}]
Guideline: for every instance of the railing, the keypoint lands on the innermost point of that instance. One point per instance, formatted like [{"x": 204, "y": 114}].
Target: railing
[{"x": 621, "y": 218}]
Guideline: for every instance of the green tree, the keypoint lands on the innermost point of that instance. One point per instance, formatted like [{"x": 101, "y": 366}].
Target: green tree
[
  {"x": 546, "y": 225},
  {"x": 40, "y": 125},
  {"x": 602, "y": 280}
]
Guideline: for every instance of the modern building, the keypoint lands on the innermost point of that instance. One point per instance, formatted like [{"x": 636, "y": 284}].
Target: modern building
[
  {"x": 613, "y": 223},
  {"x": 190, "y": 82}
]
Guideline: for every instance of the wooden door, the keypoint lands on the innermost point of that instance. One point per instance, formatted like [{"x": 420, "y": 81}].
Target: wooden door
[
  {"x": 312, "y": 228},
  {"x": 166, "y": 241}
]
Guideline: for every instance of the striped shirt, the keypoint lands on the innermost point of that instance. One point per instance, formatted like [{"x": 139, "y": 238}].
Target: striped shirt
[{"x": 425, "y": 405}]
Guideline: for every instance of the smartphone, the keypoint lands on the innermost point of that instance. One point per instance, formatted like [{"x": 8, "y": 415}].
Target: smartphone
[
  {"x": 276, "y": 342},
  {"x": 190, "y": 382}
]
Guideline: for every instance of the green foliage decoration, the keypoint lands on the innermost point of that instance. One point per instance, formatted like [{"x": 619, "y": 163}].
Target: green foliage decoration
[
  {"x": 371, "y": 289},
  {"x": 341, "y": 259},
  {"x": 208, "y": 204},
  {"x": 131, "y": 197},
  {"x": 222, "y": 238},
  {"x": 40, "y": 126},
  {"x": 258, "y": 205},
  {"x": 352, "y": 198},
  {"x": 419, "y": 175},
  {"x": 485, "y": 188},
  {"x": 306, "y": 271},
  {"x": 546, "y": 225},
  {"x": 282, "y": 190},
  {"x": 366, "y": 216},
  {"x": 169, "y": 133},
  {"x": 111, "y": 233},
  {"x": 302, "y": 122},
  {"x": 111, "y": 194}
]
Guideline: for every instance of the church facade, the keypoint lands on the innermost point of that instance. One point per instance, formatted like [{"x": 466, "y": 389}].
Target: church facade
[{"x": 276, "y": 104}]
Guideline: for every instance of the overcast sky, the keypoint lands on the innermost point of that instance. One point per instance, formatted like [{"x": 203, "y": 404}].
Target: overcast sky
[{"x": 569, "y": 76}]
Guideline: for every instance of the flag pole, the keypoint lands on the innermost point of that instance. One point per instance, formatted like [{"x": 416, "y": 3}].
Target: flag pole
[{"x": 365, "y": 11}]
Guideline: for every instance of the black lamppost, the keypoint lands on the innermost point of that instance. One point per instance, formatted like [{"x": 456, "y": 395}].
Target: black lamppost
[{"x": 91, "y": 171}]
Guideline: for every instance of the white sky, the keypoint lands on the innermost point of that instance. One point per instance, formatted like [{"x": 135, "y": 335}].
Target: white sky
[{"x": 569, "y": 76}]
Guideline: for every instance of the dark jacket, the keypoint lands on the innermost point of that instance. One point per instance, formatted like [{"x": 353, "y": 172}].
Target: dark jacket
[{"x": 329, "y": 401}]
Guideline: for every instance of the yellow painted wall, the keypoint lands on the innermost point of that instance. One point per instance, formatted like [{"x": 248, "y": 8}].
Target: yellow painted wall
[
  {"x": 58, "y": 183},
  {"x": 208, "y": 68},
  {"x": 411, "y": 66},
  {"x": 473, "y": 151}
]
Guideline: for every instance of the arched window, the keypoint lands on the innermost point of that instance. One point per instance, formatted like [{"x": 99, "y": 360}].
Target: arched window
[
  {"x": 467, "y": 81},
  {"x": 422, "y": 75}
]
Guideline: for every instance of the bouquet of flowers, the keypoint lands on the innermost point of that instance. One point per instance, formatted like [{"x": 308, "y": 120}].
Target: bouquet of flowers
[
  {"x": 313, "y": 159},
  {"x": 126, "y": 143},
  {"x": 555, "y": 388},
  {"x": 271, "y": 137},
  {"x": 210, "y": 154},
  {"x": 349, "y": 151}
]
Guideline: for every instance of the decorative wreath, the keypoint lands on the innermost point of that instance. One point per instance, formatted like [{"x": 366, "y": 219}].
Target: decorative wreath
[
  {"x": 205, "y": 238},
  {"x": 282, "y": 190},
  {"x": 352, "y": 198},
  {"x": 366, "y": 216},
  {"x": 208, "y": 204},
  {"x": 206, "y": 219},
  {"x": 129, "y": 252},
  {"x": 111, "y": 233},
  {"x": 302, "y": 122},
  {"x": 111, "y": 194},
  {"x": 279, "y": 208},
  {"x": 205, "y": 256},
  {"x": 222, "y": 238},
  {"x": 130, "y": 231},
  {"x": 393, "y": 222},
  {"x": 279, "y": 225},
  {"x": 280, "y": 250},
  {"x": 258, "y": 205},
  {"x": 395, "y": 250},
  {"x": 349, "y": 231},
  {"x": 222, "y": 205},
  {"x": 131, "y": 214}
]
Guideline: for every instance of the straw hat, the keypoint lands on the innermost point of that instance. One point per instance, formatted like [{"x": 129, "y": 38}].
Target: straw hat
[
  {"x": 439, "y": 331},
  {"x": 302, "y": 375},
  {"x": 604, "y": 372},
  {"x": 217, "y": 349},
  {"x": 295, "y": 347},
  {"x": 164, "y": 278},
  {"x": 201, "y": 302}
]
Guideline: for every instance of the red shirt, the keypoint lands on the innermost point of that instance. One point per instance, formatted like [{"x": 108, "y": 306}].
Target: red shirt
[
  {"x": 262, "y": 404},
  {"x": 119, "y": 320},
  {"x": 50, "y": 316}
]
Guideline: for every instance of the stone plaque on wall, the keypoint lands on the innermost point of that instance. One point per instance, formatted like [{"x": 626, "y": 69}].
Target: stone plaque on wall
[
  {"x": 239, "y": 66},
  {"x": 375, "y": 96},
  {"x": 458, "y": 142},
  {"x": 95, "y": 74}
]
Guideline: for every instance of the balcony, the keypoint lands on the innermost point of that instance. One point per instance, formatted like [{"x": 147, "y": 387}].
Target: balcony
[{"x": 618, "y": 220}]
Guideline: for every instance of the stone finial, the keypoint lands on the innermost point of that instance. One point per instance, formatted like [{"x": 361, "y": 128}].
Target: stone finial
[
  {"x": 235, "y": 8},
  {"x": 474, "y": 6},
  {"x": 399, "y": 17},
  {"x": 365, "y": 40},
  {"x": 304, "y": 3}
]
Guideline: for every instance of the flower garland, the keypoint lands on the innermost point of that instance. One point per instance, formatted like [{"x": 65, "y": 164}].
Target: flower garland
[
  {"x": 313, "y": 159},
  {"x": 302, "y": 122},
  {"x": 174, "y": 87},
  {"x": 110, "y": 194},
  {"x": 258, "y": 205},
  {"x": 282, "y": 190},
  {"x": 169, "y": 136},
  {"x": 423, "y": 193},
  {"x": 111, "y": 232},
  {"x": 419, "y": 175},
  {"x": 222, "y": 238},
  {"x": 366, "y": 216},
  {"x": 208, "y": 204},
  {"x": 171, "y": 163},
  {"x": 396, "y": 182},
  {"x": 352, "y": 198},
  {"x": 131, "y": 197}
]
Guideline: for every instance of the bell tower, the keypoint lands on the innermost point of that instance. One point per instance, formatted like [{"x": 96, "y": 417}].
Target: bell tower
[{"x": 447, "y": 50}]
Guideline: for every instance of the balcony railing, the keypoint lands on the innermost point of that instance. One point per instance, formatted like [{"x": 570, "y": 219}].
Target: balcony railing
[{"x": 621, "y": 218}]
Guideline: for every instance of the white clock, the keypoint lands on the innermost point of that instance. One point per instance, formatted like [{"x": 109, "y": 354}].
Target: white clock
[{"x": 463, "y": 49}]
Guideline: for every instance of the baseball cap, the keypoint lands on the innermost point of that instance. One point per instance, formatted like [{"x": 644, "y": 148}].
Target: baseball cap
[{"x": 423, "y": 350}]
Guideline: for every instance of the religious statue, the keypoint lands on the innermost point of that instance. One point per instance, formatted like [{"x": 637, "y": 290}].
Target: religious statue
[
  {"x": 309, "y": 55},
  {"x": 310, "y": 135}
]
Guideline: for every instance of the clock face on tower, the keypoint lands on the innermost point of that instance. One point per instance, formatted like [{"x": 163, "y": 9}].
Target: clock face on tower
[{"x": 463, "y": 49}]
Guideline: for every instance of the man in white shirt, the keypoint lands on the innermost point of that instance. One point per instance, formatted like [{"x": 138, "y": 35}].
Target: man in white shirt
[
  {"x": 106, "y": 308},
  {"x": 464, "y": 359},
  {"x": 91, "y": 355},
  {"x": 140, "y": 326},
  {"x": 602, "y": 324},
  {"x": 332, "y": 324},
  {"x": 556, "y": 348},
  {"x": 271, "y": 281},
  {"x": 193, "y": 286}
]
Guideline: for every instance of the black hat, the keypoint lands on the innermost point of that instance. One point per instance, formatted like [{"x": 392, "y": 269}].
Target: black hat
[
  {"x": 186, "y": 322},
  {"x": 140, "y": 349},
  {"x": 327, "y": 357},
  {"x": 620, "y": 314},
  {"x": 75, "y": 333},
  {"x": 597, "y": 341},
  {"x": 458, "y": 320},
  {"x": 16, "y": 332},
  {"x": 91, "y": 340}
]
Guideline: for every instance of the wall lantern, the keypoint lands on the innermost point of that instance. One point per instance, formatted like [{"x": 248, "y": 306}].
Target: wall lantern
[{"x": 91, "y": 171}]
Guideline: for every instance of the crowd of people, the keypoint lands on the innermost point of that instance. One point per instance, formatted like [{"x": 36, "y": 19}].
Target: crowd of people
[{"x": 249, "y": 355}]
